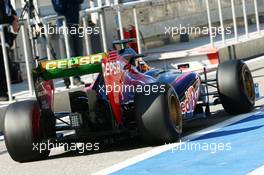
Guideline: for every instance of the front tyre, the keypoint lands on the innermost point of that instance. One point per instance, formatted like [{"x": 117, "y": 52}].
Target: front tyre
[
  {"x": 235, "y": 87},
  {"x": 22, "y": 130},
  {"x": 159, "y": 116}
]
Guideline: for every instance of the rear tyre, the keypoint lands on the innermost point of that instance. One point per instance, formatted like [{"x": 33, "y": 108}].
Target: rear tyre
[
  {"x": 24, "y": 128},
  {"x": 235, "y": 87},
  {"x": 159, "y": 116}
]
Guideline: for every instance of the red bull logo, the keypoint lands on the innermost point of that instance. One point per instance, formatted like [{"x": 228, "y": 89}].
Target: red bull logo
[{"x": 191, "y": 98}]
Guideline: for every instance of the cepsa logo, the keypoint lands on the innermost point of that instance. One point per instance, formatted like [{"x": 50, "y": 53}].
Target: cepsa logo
[
  {"x": 191, "y": 98},
  {"x": 72, "y": 63},
  {"x": 111, "y": 68}
]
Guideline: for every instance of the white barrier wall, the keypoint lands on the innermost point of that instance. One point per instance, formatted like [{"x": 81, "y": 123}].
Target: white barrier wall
[{"x": 242, "y": 50}]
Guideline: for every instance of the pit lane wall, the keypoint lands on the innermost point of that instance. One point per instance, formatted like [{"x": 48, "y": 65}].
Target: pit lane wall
[
  {"x": 242, "y": 50},
  {"x": 209, "y": 57}
]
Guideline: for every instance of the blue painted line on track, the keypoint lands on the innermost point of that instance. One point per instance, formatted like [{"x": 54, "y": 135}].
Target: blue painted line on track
[{"x": 240, "y": 151}]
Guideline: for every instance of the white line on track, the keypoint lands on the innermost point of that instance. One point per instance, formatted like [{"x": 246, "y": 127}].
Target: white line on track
[
  {"x": 164, "y": 148},
  {"x": 258, "y": 171}
]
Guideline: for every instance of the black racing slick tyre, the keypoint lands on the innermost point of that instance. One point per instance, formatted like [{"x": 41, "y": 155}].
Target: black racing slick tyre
[
  {"x": 159, "y": 116},
  {"x": 23, "y": 130},
  {"x": 235, "y": 87}
]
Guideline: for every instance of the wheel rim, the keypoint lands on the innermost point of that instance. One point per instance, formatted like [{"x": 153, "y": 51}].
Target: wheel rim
[
  {"x": 175, "y": 114},
  {"x": 248, "y": 84}
]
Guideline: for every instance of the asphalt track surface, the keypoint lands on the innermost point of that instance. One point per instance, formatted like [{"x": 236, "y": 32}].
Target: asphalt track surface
[{"x": 245, "y": 133}]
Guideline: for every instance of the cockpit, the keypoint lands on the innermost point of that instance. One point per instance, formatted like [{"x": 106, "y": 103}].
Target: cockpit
[{"x": 135, "y": 59}]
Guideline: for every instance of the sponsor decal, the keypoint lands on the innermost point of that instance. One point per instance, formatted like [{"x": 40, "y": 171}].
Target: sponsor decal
[
  {"x": 190, "y": 100},
  {"x": 72, "y": 62},
  {"x": 111, "y": 68}
]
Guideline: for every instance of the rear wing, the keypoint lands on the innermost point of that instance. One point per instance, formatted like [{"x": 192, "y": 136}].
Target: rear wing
[{"x": 76, "y": 66}]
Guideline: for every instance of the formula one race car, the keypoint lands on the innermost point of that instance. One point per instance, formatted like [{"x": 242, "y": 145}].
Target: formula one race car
[{"x": 124, "y": 101}]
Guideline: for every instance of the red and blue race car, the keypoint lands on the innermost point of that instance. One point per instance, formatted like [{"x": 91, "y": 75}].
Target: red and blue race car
[{"x": 127, "y": 99}]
